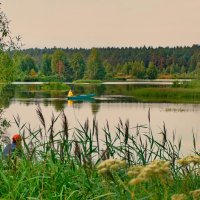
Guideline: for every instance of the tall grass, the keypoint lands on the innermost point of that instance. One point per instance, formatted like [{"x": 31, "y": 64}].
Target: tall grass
[{"x": 63, "y": 164}]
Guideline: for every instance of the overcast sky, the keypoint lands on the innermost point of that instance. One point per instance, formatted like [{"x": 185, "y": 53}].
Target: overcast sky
[{"x": 103, "y": 23}]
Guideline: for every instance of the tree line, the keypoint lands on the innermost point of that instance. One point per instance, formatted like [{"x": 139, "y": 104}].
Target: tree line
[{"x": 100, "y": 63}]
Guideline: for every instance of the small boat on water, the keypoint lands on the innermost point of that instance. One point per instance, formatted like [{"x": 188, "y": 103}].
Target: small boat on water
[{"x": 81, "y": 97}]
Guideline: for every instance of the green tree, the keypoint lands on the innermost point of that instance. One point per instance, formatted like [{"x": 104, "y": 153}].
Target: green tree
[
  {"x": 27, "y": 63},
  {"x": 17, "y": 59},
  {"x": 95, "y": 68},
  {"x": 126, "y": 68},
  {"x": 7, "y": 41},
  {"x": 78, "y": 65},
  {"x": 138, "y": 69},
  {"x": 109, "y": 70},
  {"x": 197, "y": 70},
  {"x": 60, "y": 65},
  {"x": 152, "y": 71},
  {"x": 183, "y": 69},
  {"x": 172, "y": 69},
  {"x": 6, "y": 68},
  {"x": 46, "y": 64}
]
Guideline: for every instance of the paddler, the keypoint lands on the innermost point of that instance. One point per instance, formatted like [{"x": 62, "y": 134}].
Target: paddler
[{"x": 70, "y": 93}]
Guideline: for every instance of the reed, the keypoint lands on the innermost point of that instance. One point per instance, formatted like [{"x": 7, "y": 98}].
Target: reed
[
  {"x": 65, "y": 164},
  {"x": 134, "y": 145}
]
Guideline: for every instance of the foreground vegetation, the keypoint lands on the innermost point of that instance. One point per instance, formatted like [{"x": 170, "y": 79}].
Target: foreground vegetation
[{"x": 76, "y": 164}]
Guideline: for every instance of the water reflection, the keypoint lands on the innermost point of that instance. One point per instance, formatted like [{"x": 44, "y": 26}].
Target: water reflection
[
  {"x": 111, "y": 103},
  {"x": 32, "y": 94},
  {"x": 7, "y": 92},
  {"x": 95, "y": 108}
]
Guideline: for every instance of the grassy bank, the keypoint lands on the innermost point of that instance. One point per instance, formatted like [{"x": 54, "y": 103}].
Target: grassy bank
[
  {"x": 75, "y": 164},
  {"x": 186, "y": 92},
  {"x": 54, "y": 86},
  {"x": 88, "y": 81},
  {"x": 169, "y": 95}
]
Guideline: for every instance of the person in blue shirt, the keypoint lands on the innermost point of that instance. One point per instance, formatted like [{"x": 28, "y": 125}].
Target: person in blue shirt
[{"x": 11, "y": 148}]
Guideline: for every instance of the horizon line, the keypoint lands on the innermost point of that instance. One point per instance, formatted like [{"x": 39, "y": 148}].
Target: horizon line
[{"x": 117, "y": 47}]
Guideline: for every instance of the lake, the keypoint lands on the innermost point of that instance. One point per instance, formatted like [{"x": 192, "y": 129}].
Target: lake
[{"x": 113, "y": 101}]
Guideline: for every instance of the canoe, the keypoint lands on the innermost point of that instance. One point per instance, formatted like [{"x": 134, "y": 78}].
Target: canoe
[{"x": 81, "y": 97}]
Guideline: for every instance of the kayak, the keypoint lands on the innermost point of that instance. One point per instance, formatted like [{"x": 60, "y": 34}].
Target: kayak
[{"x": 81, "y": 97}]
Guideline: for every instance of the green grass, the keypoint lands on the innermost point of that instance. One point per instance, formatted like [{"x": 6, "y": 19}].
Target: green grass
[
  {"x": 186, "y": 92},
  {"x": 170, "y": 95}
]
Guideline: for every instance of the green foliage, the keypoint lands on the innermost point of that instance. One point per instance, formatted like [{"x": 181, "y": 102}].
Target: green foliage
[
  {"x": 78, "y": 65},
  {"x": 95, "y": 68},
  {"x": 7, "y": 41},
  {"x": 51, "y": 78},
  {"x": 46, "y": 64},
  {"x": 60, "y": 65},
  {"x": 152, "y": 71},
  {"x": 138, "y": 69},
  {"x": 7, "y": 69},
  {"x": 55, "y": 86},
  {"x": 87, "y": 81},
  {"x": 27, "y": 63},
  {"x": 194, "y": 84},
  {"x": 127, "y": 68},
  {"x": 122, "y": 63},
  {"x": 109, "y": 70}
]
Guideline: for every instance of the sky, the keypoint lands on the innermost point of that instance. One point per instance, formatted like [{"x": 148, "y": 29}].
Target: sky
[{"x": 104, "y": 23}]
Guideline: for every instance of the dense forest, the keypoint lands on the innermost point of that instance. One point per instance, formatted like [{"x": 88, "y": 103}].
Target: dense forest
[{"x": 54, "y": 64}]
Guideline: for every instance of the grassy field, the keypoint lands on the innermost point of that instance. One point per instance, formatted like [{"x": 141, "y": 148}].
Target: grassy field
[{"x": 76, "y": 164}]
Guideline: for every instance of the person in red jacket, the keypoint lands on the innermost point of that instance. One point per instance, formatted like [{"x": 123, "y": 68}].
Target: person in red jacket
[{"x": 11, "y": 148}]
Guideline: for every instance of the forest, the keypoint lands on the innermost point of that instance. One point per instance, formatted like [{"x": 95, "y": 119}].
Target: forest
[{"x": 59, "y": 64}]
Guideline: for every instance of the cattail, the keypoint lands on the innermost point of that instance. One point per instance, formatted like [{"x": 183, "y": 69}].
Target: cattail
[
  {"x": 107, "y": 125},
  {"x": 104, "y": 155},
  {"x": 77, "y": 151},
  {"x": 65, "y": 126},
  {"x": 86, "y": 125},
  {"x": 41, "y": 117},
  {"x": 126, "y": 132},
  {"x": 61, "y": 152},
  {"x": 149, "y": 116},
  {"x": 51, "y": 130},
  {"x": 164, "y": 134},
  {"x": 121, "y": 123},
  {"x": 97, "y": 136}
]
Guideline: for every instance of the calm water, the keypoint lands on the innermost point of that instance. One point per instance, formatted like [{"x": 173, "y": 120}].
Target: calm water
[{"x": 111, "y": 103}]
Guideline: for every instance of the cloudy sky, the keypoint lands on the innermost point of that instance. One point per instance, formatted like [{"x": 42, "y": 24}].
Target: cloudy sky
[{"x": 103, "y": 23}]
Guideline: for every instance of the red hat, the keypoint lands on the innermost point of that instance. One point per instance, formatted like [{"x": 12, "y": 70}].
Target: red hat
[{"x": 16, "y": 137}]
